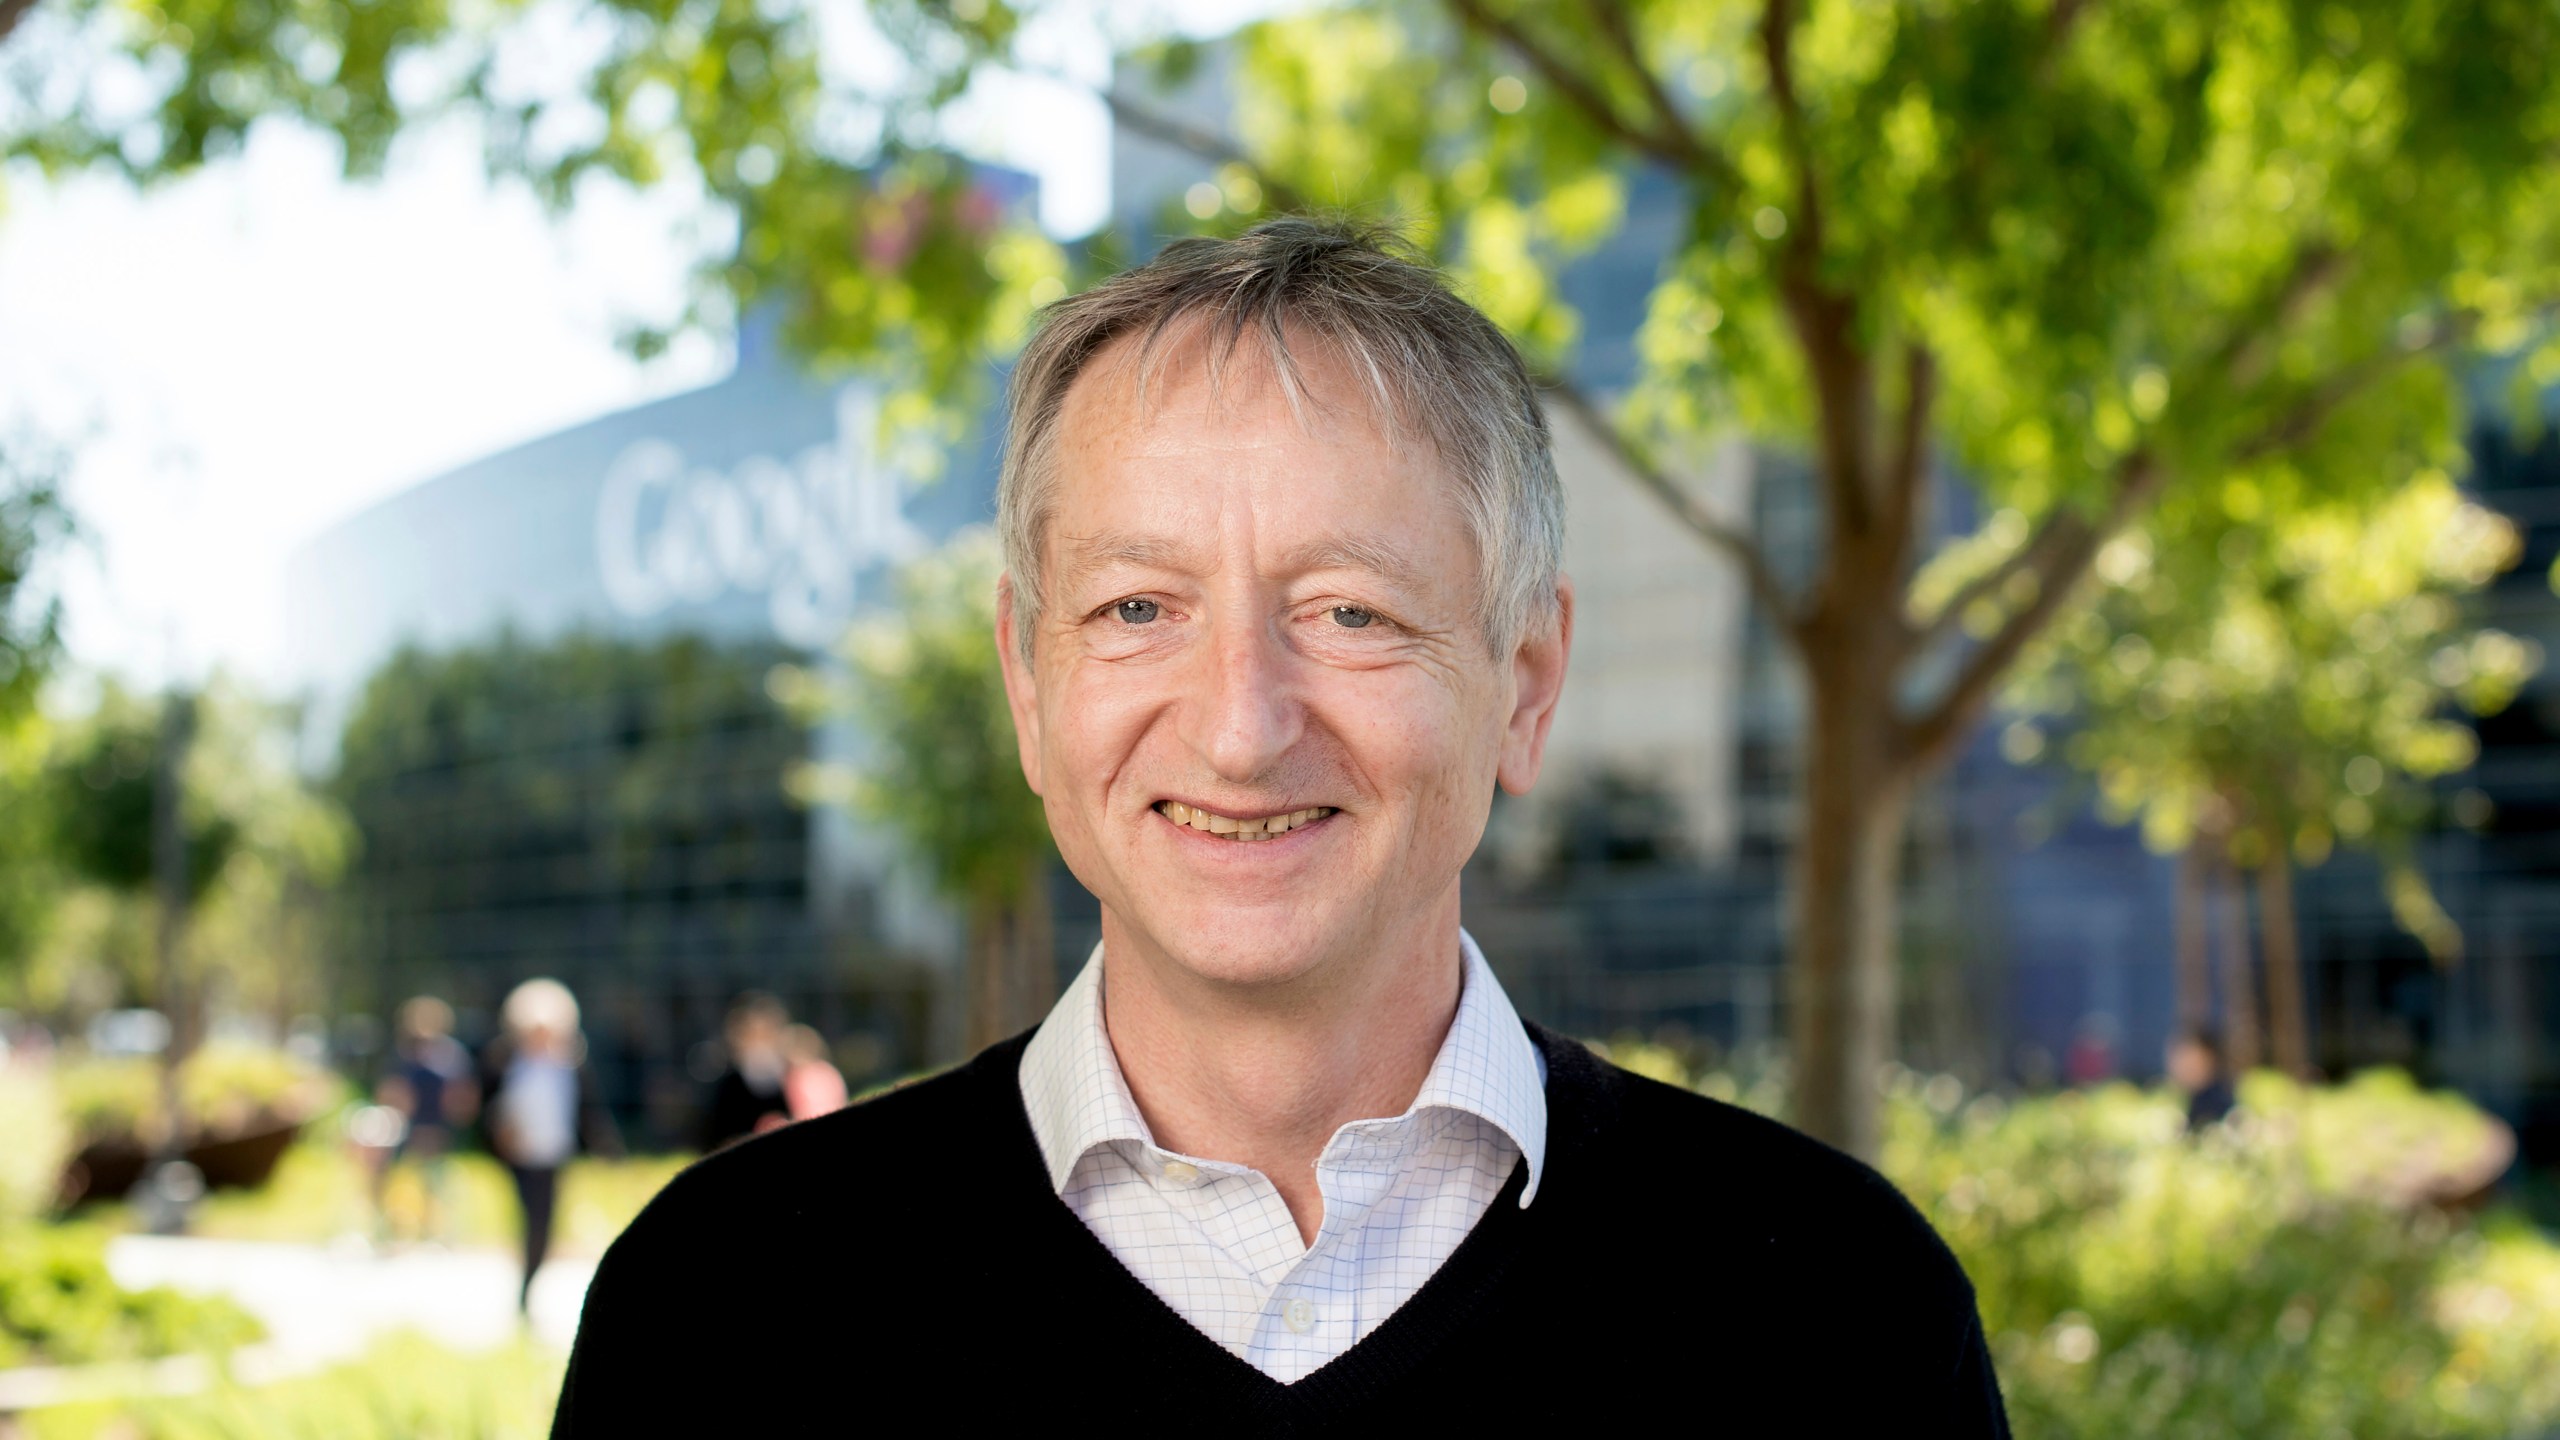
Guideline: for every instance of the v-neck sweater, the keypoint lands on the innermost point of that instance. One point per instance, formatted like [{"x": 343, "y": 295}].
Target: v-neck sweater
[{"x": 906, "y": 1260}]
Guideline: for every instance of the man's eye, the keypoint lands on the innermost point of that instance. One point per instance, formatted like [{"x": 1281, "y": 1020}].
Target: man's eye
[
  {"x": 1137, "y": 612},
  {"x": 1352, "y": 617}
]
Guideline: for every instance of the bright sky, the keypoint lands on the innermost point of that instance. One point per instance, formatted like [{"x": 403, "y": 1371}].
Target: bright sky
[{"x": 247, "y": 357}]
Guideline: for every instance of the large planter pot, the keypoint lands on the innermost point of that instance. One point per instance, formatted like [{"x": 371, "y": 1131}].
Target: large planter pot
[
  {"x": 104, "y": 1169},
  {"x": 243, "y": 1161},
  {"x": 109, "y": 1167}
]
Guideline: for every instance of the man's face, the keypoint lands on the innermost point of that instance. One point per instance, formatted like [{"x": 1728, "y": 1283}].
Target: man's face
[{"x": 1261, "y": 620}]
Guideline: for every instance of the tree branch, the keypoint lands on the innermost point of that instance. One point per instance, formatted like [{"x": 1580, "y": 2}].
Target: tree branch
[
  {"x": 1906, "y": 470},
  {"x": 2064, "y": 545},
  {"x": 1670, "y": 142},
  {"x": 2058, "y": 528},
  {"x": 1683, "y": 506},
  {"x": 2321, "y": 401},
  {"x": 2058, "y": 22},
  {"x": 1668, "y": 119},
  {"x": 2316, "y": 267},
  {"x": 11, "y": 12},
  {"x": 1777, "y": 51},
  {"x": 1199, "y": 140},
  {"x": 2245, "y": 354},
  {"x": 1825, "y": 320},
  {"x": 2070, "y": 545}
]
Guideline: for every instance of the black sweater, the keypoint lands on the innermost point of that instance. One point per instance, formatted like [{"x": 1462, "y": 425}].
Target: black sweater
[{"x": 904, "y": 1264}]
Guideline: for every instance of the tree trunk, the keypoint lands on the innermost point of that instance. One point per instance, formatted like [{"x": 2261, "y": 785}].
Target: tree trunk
[
  {"x": 2239, "y": 977},
  {"x": 169, "y": 886},
  {"x": 1846, "y": 907},
  {"x": 2287, "y": 1021},
  {"x": 166, "y": 1207},
  {"x": 1013, "y": 976},
  {"x": 2195, "y": 976}
]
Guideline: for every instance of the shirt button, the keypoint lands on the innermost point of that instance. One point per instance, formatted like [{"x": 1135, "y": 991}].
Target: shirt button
[
  {"x": 1300, "y": 1315},
  {"x": 1181, "y": 1172}
]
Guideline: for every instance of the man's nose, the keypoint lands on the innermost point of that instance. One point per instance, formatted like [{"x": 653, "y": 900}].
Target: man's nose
[{"x": 1245, "y": 713}]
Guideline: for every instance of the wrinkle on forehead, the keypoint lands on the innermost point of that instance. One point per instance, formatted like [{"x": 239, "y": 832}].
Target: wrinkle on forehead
[{"x": 1321, "y": 377}]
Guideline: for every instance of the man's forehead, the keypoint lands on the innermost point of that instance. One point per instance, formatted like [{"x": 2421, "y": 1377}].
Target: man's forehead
[
  {"x": 1192, "y": 552},
  {"x": 1193, "y": 367}
]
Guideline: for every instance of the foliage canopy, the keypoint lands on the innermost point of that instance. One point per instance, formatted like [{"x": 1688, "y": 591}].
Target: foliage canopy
[
  {"x": 256, "y": 834},
  {"x": 945, "y": 774},
  {"x": 2091, "y": 251},
  {"x": 2284, "y": 678}
]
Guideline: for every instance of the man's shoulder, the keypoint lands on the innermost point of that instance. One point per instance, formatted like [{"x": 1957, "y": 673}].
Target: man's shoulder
[
  {"x": 1746, "y": 1184},
  {"x": 892, "y": 1197},
  {"x": 843, "y": 1173}
]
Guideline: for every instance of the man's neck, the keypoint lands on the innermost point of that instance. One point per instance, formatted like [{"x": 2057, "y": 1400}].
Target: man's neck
[{"x": 1263, "y": 1076}]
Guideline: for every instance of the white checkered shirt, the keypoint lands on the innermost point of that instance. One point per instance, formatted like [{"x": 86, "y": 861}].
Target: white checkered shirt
[{"x": 1216, "y": 1241}]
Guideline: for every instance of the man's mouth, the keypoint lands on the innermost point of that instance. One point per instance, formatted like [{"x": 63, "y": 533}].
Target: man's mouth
[{"x": 1229, "y": 827}]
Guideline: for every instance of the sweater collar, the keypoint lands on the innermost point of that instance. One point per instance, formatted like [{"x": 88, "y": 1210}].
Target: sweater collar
[{"x": 1077, "y": 1098}]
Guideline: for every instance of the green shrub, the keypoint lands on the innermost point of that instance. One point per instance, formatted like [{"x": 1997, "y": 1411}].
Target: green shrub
[
  {"x": 2290, "y": 1273},
  {"x": 2269, "y": 1277},
  {"x": 230, "y": 1086},
  {"x": 59, "y": 1306},
  {"x": 405, "y": 1389},
  {"x": 225, "y": 1087},
  {"x": 101, "y": 1098}
]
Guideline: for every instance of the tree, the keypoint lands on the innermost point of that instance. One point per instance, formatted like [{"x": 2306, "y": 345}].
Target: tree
[
  {"x": 33, "y": 521},
  {"x": 251, "y": 830},
  {"x": 945, "y": 774},
  {"x": 185, "y": 832},
  {"x": 2087, "y": 252},
  {"x": 2258, "y": 684}
]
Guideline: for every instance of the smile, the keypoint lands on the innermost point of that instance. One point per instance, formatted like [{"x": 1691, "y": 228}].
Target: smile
[{"x": 1228, "y": 827}]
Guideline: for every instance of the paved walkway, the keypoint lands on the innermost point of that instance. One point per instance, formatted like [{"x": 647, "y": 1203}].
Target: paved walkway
[
  {"x": 322, "y": 1304},
  {"x": 326, "y": 1303}
]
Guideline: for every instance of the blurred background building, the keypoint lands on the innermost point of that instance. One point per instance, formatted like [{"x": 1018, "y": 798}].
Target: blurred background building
[{"x": 542, "y": 680}]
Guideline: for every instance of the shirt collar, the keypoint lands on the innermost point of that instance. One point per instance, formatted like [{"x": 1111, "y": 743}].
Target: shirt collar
[
  {"x": 1488, "y": 1067},
  {"x": 1071, "y": 1081}
]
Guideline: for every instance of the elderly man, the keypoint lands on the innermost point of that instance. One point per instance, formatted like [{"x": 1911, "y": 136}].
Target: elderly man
[{"x": 1282, "y": 610}]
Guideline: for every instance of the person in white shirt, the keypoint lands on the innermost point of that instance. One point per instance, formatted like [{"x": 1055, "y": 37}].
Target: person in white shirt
[{"x": 535, "y": 1109}]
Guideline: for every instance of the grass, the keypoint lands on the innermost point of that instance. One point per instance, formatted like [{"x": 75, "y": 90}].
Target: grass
[
  {"x": 404, "y": 1389},
  {"x": 320, "y": 1192}
]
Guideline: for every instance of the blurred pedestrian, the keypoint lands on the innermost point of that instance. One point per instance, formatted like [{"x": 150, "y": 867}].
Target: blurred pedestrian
[
  {"x": 429, "y": 1088},
  {"x": 811, "y": 1085},
  {"x": 2092, "y": 1057},
  {"x": 2196, "y": 1067},
  {"x": 542, "y": 1108},
  {"x": 747, "y": 1099}
]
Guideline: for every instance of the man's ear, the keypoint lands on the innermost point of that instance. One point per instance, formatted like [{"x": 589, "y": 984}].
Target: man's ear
[
  {"x": 1537, "y": 675},
  {"x": 1021, "y": 692}
]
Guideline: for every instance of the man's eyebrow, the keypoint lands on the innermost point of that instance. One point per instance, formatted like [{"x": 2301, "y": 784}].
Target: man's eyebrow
[
  {"x": 1082, "y": 555},
  {"x": 1351, "y": 552}
]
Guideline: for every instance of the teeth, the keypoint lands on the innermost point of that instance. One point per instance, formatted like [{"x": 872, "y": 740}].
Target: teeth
[{"x": 1270, "y": 827}]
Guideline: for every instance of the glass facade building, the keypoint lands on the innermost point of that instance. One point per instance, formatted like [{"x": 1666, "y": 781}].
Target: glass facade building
[{"x": 546, "y": 678}]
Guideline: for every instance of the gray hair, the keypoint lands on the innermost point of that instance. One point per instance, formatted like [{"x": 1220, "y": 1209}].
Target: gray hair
[{"x": 1425, "y": 356}]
